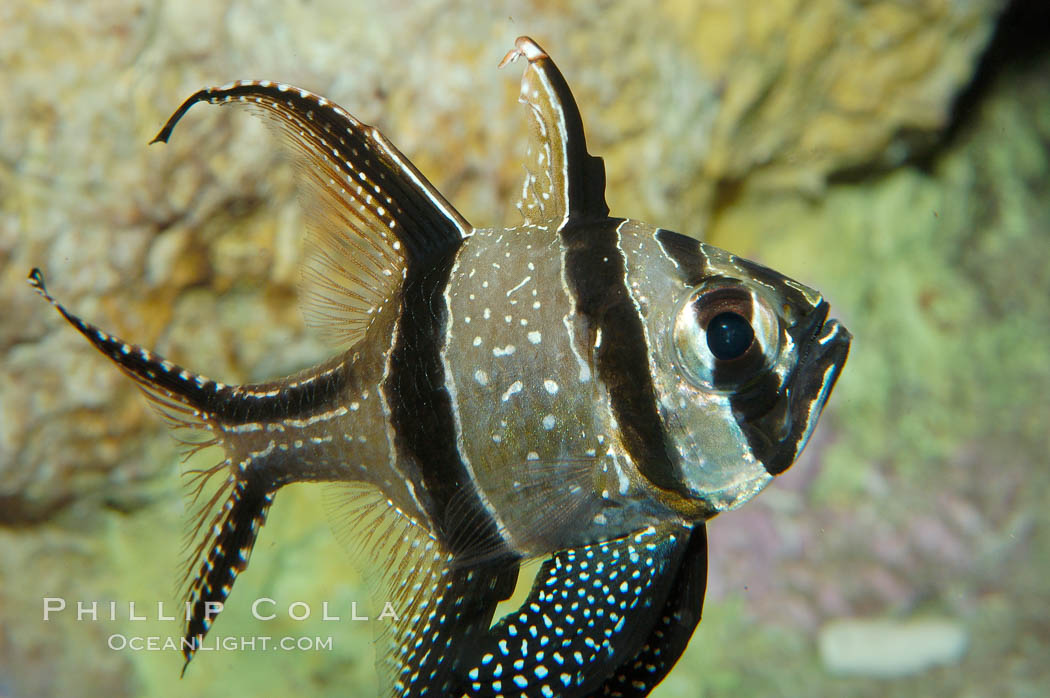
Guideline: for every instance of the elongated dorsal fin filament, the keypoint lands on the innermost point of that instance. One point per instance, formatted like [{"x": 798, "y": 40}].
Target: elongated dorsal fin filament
[{"x": 563, "y": 181}]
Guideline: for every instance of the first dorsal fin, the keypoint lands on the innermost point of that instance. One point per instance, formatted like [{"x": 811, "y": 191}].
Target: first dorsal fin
[
  {"x": 563, "y": 181},
  {"x": 370, "y": 213}
]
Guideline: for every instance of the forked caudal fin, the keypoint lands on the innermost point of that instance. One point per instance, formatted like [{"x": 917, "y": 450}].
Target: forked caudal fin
[
  {"x": 374, "y": 220},
  {"x": 227, "y": 521}
]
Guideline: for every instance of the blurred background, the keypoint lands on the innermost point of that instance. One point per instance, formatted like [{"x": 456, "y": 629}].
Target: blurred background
[{"x": 893, "y": 155}]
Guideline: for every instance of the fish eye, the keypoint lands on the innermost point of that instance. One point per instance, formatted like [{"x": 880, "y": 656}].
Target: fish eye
[
  {"x": 729, "y": 335},
  {"x": 725, "y": 335}
]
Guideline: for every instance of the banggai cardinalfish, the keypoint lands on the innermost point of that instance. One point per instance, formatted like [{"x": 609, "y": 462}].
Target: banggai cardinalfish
[{"x": 581, "y": 389}]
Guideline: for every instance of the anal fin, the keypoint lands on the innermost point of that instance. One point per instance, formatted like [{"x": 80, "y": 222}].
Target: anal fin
[
  {"x": 441, "y": 608},
  {"x": 225, "y": 551}
]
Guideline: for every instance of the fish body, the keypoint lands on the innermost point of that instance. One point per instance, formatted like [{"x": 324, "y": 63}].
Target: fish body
[{"x": 581, "y": 389}]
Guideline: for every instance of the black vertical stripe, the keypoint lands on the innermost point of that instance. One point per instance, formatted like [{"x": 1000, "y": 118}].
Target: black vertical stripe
[
  {"x": 686, "y": 253},
  {"x": 769, "y": 416},
  {"x": 772, "y": 411},
  {"x": 597, "y": 275},
  {"x": 423, "y": 419},
  {"x": 775, "y": 428}
]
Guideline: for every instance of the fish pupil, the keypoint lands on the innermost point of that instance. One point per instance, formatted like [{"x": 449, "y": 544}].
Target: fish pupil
[{"x": 729, "y": 335}]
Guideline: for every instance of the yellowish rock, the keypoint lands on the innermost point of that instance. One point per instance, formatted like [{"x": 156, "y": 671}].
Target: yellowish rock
[{"x": 702, "y": 109}]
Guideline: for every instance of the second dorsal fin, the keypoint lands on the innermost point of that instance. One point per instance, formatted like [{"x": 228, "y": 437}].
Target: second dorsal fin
[
  {"x": 563, "y": 181},
  {"x": 371, "y": 214}
]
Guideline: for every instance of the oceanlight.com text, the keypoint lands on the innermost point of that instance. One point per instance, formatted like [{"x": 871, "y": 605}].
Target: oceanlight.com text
[{"x": 158, "y": 643}]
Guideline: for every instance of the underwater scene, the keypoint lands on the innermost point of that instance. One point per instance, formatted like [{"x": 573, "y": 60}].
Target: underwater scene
[{"x": 322, "y": 313}]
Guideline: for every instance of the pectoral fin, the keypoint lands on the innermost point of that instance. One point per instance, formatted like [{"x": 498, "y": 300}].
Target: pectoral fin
[{"x": 226, "y": 518}]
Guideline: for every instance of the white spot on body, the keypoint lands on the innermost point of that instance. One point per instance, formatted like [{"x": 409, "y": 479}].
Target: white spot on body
[{"x": 514, "y": 388}]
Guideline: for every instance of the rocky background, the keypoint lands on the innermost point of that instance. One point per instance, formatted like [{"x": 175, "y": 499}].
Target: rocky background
[{"x": 892, "y": 154}]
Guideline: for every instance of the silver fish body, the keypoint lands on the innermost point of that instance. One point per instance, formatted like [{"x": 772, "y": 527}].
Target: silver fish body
[{"x": 582, "y": 389}]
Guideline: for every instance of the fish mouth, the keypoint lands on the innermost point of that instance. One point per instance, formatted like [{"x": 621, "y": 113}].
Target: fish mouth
[
  {"x": 816, "y": 324},
  {"x": 829, "y": 344},
  {"x": 828, "y": 341},
  {"x": 817, "y": 372},
  {"x": 828, "y": 350},
  {"x": 823, "y": 356}
]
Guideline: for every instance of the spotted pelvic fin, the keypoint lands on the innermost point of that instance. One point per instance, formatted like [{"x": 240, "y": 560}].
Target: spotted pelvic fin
[
  {"x": 591, "y": 609},
  {"x": 563, "y": 181},
  {"x": 370, "y": 213},
  {"x": 638, "y": 675}
]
